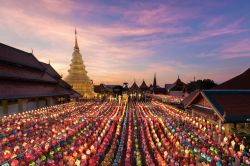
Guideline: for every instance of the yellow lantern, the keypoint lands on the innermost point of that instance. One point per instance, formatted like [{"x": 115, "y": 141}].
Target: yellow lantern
[{"x": 242, "y": 147}]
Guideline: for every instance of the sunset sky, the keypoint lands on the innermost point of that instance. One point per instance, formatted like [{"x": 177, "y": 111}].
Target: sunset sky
[{"x": 127, "y": 40}]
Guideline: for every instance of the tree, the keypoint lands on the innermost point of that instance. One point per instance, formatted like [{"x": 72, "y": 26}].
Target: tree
[
  {"x": 208, "y": 84},
  {"x": 200, "y": 84}
]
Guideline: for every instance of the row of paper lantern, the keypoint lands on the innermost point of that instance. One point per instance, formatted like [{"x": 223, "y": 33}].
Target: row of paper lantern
[
  {"x": 201, "y": 133},
  {"x": 97, "y": 133},
  {"x": 27, "y": 146}
]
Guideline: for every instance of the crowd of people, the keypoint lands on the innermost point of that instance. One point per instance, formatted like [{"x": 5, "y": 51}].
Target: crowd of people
[{"x": 112, "y": 133}]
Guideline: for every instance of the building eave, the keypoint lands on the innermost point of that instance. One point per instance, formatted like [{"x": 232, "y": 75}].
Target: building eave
[
  {"x": 192, "y": 99},
  {"x": 213, "y": 106}
]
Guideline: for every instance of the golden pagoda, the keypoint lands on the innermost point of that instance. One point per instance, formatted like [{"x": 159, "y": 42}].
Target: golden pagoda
[{"x": 77, "y": 74}]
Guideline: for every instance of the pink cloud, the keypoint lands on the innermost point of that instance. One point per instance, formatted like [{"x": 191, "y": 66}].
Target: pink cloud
[
  {"x": 237, "y": 55},
  {"x": 102, "y": 55},
  {"x": 107, "y": 60},
  {"x": 240, "y": 46},
  {"x": 237, "y": 49},
  {"x": 230, "y": 29},
  {"x": 154, "y": 14},
  {"x": 214, "y": 22},
  {"x": 60, "y": 7}
]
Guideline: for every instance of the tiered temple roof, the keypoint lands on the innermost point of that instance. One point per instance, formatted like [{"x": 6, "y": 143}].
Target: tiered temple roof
[
  {"x": 241, "y": 81},
  {"x": 231, "y": 106},
  {"x": 51, "y": 71},
  {"x": 19, "y": 57},
  {"x": 144, "y": 86},
  {"x": 23, "y": 76},
  {"x": 230, "y": 100},
  {"x": 155, "y": 88},
  {"x": 134, "y": 87},
  {"x": 178, "y": 85}
]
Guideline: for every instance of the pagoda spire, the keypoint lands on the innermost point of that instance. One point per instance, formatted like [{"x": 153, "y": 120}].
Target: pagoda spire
[
  {"x": 77, "y": 74},
  {"x": 154, "y": 83},
  {"x": 76, "y": 43}
]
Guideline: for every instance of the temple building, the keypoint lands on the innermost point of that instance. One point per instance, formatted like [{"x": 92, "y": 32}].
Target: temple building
[
  {"x": 144, "y": 87},
  {"x": 77, "y": 75},
  {"x": 134, "y": 92},
  {"x": 156, "y": 89},
  {"x": 26, "y": 83},
  {"x": 154, "y": 83},
  {"x": 226, "y": 104},
  {"x": 178, "y": 85}
]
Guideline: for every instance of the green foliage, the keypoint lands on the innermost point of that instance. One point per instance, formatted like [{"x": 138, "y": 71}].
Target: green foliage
[{"x": 200, "y": 84}]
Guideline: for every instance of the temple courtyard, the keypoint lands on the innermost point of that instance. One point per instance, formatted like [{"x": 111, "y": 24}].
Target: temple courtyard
[
  {"x": 124, "y": 83},
  {"x": 116, "y": 133}
]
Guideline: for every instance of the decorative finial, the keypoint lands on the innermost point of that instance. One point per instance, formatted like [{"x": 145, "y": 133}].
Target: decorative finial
[
  {"x": 178, "y": 77},
  {"x": 31, "y": 50},
  {"x": 49, "y": 61},
  {"x": 194, "y": 78},
  {"x": 154, "y": 82},
  {"x": 76, "y": 44}
]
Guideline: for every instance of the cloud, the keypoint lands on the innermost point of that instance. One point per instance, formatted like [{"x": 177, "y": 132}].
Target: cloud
[
  {"x": 211, "y": 54},
  {"x": 59, "y": 7},
  {"x": 101, "y": 53},
  {"x": 238, "y": 49},
  {"x": 230, "y": 29},
  {"x": 214, "y": 22},
  {"x": 152, "y": 14},
  {"x": 106, "y": 60},
  {"x": 117, "y": 42},
  {"x": 230, "y": 50}
]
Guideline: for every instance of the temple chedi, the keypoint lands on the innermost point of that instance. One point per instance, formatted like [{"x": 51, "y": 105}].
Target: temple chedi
[{"x": 77, "y": 74}]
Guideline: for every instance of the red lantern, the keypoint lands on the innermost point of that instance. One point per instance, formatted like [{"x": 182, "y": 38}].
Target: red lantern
[
  {"x": 236, "y": 139},
  {"x": 6, "y": 155},
  {"x": 29, "y": 157},
  {"x": 14, "y": 162}
]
